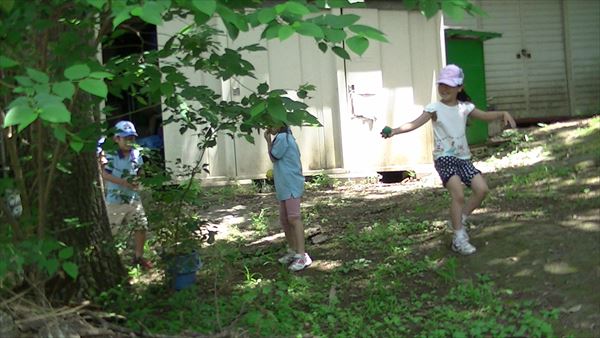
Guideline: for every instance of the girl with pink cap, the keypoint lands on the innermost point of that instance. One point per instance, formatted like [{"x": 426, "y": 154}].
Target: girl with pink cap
[{"x": 451, "y": 154}]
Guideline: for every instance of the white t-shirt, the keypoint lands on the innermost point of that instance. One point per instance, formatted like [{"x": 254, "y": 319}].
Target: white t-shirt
[{"x": 449, "y": 136}]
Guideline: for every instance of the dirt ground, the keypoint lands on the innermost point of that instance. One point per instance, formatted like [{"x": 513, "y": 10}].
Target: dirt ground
[{"x": 537, "y": 233}]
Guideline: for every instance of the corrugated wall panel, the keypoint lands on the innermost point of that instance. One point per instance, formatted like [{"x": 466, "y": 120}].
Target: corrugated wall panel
[
  {"x": 546, "y": 69},
  {"x": 184, "y": 146},
  {"x": 392, "y": 83},
  {"x": 583, "y": 32},
  {"x": 505, "y": 80},
  {"x": 533, "y": 86}
]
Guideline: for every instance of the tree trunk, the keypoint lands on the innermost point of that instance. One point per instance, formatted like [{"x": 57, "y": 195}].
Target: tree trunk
[{"x": 79, "y": 195}]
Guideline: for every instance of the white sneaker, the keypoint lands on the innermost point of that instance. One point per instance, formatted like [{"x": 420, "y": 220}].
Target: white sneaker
[
  {"x": 287, "y": 258},
  {"x": 461, "y": 245},
  {"x": 300, "y": 262}
]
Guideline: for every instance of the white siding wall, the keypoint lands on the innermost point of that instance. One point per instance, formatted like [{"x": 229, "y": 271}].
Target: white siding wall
[
  {"x": 562, "y": 76},
  {"x": 394, "y": 81},
  {"x": 183, "y": 147},
  {"x": 402, "y": 73},
  {"x": 583, "y": 36}
]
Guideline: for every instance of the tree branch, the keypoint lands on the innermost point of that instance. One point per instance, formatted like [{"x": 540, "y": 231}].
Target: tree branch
[
  {"x": 51, "y": 172},
  {"x": 41, "y": 177}
]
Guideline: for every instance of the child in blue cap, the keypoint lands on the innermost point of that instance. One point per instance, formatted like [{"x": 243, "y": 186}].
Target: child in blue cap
[{"x": 119, "y": 171}]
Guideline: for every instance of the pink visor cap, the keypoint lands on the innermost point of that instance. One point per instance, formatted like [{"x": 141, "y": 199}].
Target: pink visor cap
[{"x": 451, "y": 75}]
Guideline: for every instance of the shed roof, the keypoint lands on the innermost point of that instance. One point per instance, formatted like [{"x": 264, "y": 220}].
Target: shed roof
[{"x": 462, "y": 33}]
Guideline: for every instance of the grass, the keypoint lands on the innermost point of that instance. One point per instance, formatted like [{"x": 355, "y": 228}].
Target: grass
[
  {"x": 374, "y": 278},
  {"x": 290, "y": 305},
  {"x": 394, "y": 292}
]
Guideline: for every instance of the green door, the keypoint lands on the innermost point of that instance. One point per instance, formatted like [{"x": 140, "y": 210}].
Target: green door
[{"x": 465, "y": 49}]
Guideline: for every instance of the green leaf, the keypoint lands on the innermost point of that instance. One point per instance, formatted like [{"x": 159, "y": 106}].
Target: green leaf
[
  {"x": 429, "y": 8},
  {"x": 453, "y": 10},
  {"x": 51, "y": 266},
  {"x": 334, "y": 35},
  {"x": 263, "y": 88},
  {"x": 99, "y": 4},
  {"x": 341, "y": 52},
  {"x": 101, "y": 75},
  {"x": 47, "y": 246},
  {"x": 42, "y": 88},
  {"x": 232, "y": 30},
  {"x": 285, "y": 32},
  {"x": 167, "y": 89},
  {"x": 323, "y": 47},
  {"x": 411, "y": 4},
  {"x": 77, "y": 72},
  {"x": 20, "y": 115},
  {"x": 276, "y": 110},
  {"x": 6, "y": 62},
  {"x": 310, "y": 29},
  {"x": 55, "y": 113},
  {"x": 43, "y": 99},
  {"x": 24, "y": 81},
  {"x": 6, "y": 6},
  {"x": 233, "y": 18},
  {"x": 19, "y": 101},
  {"x": 368, "y": 32},
  {"x": 338, "y": 3},
  {"x": 207, "y": 7},
  {"x": 60, "y": 134},
  {"x": 76, "y": 145},
  {"x": 122, "y": 15},
  {"x": 257, "y": 108},
  {"x": 266, "y": 15},
  {"x": 65, "y": 253},
  {"x": 296, "y": 8},
  {"x": 64, "y": 89},
  {"x": 358, "y": 44},
  {"x": 95, "y": 87},
  {"x": 71, "y": 269},
  {"x": 151, "y": 11},
  {"x": 37, "y": 76},
  {"x": 341, "y": 21},
  {"x": 272, "y": 31}
]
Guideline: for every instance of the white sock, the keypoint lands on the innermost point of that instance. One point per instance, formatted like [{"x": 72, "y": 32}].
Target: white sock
[
  {"x": 460, "y": 233},
  {"x": 463, "y": 219}
]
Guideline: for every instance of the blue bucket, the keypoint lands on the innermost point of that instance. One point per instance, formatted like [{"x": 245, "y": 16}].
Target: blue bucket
[{"x": 182, "y": 270}]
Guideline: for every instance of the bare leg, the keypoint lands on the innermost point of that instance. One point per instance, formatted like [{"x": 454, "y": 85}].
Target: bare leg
[
  {"x": 297, "y": 233},
  {"x": 455, "y": 187},
  {"x": 287, "y": 227},
  {"x": 480, "y": 190},
  {"x": 140, "y": 240}
]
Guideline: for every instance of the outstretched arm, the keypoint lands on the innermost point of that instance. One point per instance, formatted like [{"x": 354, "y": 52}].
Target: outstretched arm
[
  {"x": 494, "y": 115},
  {"x": 409, "y": 126}
]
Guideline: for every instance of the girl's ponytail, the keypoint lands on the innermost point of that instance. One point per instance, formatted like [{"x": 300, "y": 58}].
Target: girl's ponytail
[{"x": 463, "y": 96}]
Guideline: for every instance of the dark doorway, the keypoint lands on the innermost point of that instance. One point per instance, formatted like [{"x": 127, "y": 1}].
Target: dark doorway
[{"x": 137, "y": 37}]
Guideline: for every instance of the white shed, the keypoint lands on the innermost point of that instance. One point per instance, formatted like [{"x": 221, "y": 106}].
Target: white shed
[
  {"x": 547, "y": 63},
  {"x": 390, "y": 84}
]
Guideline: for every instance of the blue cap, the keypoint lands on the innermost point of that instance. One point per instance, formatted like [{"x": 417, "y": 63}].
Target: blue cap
[{"x": 125, "y": 128}]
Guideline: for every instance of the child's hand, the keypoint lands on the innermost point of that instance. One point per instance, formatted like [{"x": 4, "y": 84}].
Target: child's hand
[
  {"x": 387, "y": 132},
  {"x": 132, "y": 185},
  {"x": 509, "y": 120},
  {"x": 267, "y": 135}
]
